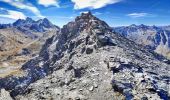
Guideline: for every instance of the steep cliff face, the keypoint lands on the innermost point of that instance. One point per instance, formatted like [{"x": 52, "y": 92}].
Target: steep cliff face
[
  {"x": 86, "y": 60},
  {"x": 157, "y": 38}
]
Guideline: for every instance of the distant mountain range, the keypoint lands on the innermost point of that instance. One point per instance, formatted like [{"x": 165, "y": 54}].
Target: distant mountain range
[
  {"x": 30, "y": 26},
  {"x": 22, "y": 40},
  {"x": 27, "y": 29},
  {"x": 156, "y": 38}
]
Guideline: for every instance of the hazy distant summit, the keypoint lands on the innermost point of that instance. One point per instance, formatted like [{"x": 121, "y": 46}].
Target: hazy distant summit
[{"x": 156, "y": 38}]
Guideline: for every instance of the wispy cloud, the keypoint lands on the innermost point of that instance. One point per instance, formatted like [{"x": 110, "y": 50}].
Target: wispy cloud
[
  {"x": 12, "y": 14},
  {"x": 93, "y": 4},
  {"x": 21, "y": 5},
  {"x": 137, "y": 15},
  {"x": 47, "y": 3}
]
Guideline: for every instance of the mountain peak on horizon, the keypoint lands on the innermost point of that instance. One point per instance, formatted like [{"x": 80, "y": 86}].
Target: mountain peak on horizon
[
  {"x": 86, "y": 21},
  {"x": 29, "y": 19},
  {"x": 29, "y": 24},
  {"x": 85, "y": 15}
]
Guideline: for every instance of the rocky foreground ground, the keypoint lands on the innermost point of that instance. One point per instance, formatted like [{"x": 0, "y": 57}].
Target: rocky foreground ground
[{"x": 87, "y": 61}]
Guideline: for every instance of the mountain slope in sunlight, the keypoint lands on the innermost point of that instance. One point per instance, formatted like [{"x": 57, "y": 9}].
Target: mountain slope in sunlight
[
  {"x": 155, "y": 38},
  {"x": 21, "y": 41}
]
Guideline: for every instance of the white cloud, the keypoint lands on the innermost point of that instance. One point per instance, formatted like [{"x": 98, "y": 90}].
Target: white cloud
[
  {"x": 21, "y": 5},
  {"x": 93, "y": 4},
  {"x": 12, "y": 14},
  {"x": 137, "y": 15},
  {"x": 47, "y": 3}
]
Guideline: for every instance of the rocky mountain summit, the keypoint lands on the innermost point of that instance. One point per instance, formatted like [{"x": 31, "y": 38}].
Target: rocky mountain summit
[
  {"x": 29, "y": 25},
  {"x": 156, "y": 38},
  {"x": 87, "y": 61}
]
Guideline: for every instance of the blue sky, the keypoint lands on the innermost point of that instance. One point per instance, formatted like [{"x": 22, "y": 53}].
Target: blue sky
[{"x": 114, "y": 12}]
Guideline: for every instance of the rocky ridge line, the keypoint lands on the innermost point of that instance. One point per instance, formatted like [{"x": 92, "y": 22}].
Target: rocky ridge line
[{"x": 87, "y": 61}]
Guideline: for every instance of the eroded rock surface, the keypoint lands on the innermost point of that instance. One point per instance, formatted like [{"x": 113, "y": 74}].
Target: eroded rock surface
[{"x": 86, "y": 61}]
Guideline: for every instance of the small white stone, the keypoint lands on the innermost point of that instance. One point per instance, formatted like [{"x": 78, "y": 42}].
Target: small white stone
[
  {"x": 80, "y": 89},
  {"x": 91, "y": 88}
]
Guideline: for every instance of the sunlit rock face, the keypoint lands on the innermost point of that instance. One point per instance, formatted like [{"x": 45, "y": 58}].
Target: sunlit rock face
[
  {"x": 154, "y": 37},
  {"x": 87, "y": 61}
]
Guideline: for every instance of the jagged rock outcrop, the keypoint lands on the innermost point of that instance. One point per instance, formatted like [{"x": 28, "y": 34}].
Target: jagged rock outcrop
[
  {"x": 87, "y": 61},
  {"x": 29, "y": 25},
  {"x": 154, "y": 37}
]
